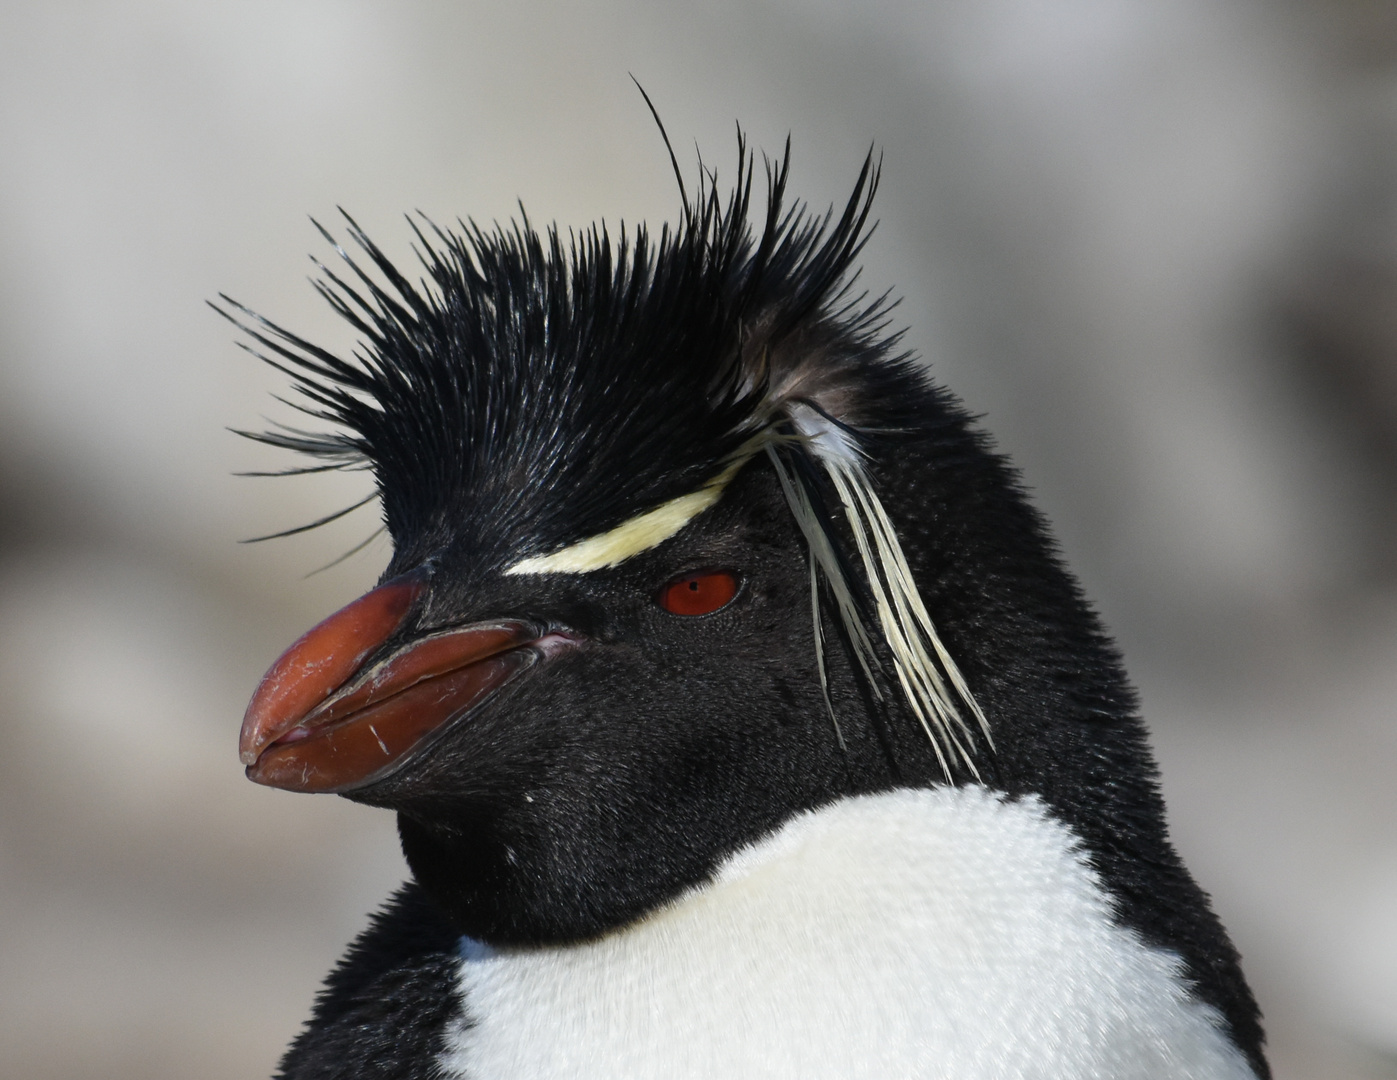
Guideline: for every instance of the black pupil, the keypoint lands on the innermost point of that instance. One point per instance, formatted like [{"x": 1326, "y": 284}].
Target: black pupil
[{"x": 694, "y": 585}]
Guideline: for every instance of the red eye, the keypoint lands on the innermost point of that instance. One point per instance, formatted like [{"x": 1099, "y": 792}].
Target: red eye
[{"x": 698, "y": 594}]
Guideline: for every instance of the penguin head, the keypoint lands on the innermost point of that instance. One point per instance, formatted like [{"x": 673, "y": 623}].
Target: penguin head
[
  {"x": 658, "y": 509},
  {"x": 685, "y": 545}
]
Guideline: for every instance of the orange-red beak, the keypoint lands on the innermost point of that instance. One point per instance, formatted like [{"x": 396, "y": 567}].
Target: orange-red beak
[{"x": 321, "y": 721}]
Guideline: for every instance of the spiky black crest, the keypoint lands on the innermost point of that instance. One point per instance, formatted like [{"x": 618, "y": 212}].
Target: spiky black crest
[{"x": 534, "y": 389}]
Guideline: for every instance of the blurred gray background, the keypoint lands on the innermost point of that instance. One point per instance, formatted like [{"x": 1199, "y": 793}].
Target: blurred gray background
[{"x": 1154, "y": 242}]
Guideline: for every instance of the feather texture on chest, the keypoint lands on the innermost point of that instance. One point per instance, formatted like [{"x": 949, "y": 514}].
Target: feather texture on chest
[{"x": 928, "y": 933}]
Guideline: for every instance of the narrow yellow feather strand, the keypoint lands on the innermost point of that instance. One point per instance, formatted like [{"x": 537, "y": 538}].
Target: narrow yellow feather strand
[{"x": 903, "y": 618}]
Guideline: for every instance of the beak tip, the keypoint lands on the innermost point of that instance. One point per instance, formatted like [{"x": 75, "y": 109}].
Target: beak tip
[
  {"x": 321, "y": 660},
  {"x": 250, "y": 742}
]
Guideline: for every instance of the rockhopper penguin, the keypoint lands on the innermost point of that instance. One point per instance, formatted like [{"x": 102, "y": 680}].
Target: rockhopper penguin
[{"x": 739, "y": 716}]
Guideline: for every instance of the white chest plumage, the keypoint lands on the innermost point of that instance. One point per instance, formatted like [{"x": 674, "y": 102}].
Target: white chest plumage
[{"x": 941, "y": 933}]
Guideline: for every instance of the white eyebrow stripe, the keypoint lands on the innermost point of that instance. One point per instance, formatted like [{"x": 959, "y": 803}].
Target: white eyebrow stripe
[{"x": 640, "y": 533}]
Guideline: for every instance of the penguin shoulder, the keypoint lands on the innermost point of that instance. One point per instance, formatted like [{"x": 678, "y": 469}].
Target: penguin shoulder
[{"x": 386, "y": 1007}]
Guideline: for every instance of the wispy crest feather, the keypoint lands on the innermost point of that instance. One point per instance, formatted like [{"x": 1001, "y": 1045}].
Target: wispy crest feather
[{"x": 932, "y": 684}]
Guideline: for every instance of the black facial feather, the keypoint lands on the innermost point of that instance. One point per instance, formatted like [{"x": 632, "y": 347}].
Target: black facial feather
[{"x": 535, "y": 390}]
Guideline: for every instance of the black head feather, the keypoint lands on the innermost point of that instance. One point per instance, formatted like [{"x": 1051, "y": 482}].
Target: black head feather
[{"x": 534, "y": 390}]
